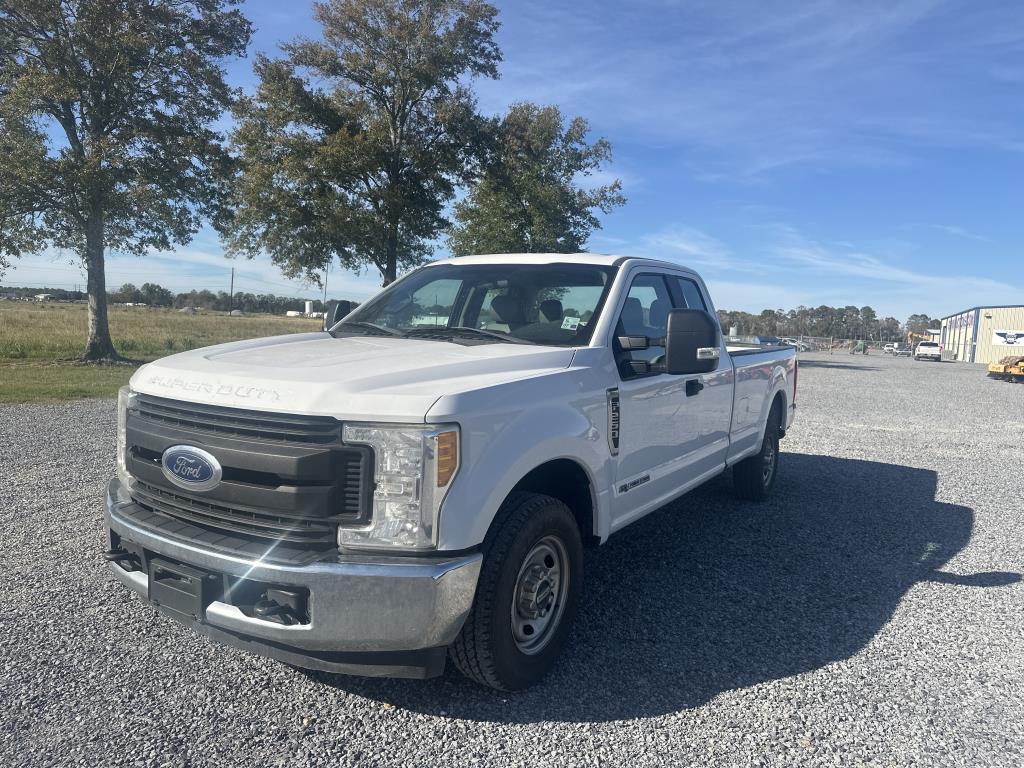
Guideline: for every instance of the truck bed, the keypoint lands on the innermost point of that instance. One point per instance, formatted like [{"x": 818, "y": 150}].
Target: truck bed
[{"x": 738, "y": 349}]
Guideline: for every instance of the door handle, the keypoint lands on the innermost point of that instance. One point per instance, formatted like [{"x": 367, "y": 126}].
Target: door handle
[{"x": 693, "y": 387}]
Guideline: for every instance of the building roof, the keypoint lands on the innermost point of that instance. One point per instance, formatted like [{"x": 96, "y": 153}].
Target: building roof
[{"x": 989, "y": 306}]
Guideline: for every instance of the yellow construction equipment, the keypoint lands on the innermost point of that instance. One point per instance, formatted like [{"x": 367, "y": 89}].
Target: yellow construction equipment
[{"x": 1010, "y": 368}]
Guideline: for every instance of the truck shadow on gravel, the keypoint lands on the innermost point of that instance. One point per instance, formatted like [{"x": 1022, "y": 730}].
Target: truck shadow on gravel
[{"x": 711, "y": 594}]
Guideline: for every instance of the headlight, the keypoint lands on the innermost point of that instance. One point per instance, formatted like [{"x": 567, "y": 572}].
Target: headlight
[
  {"x": 125, "y": 400},
  {"x": 413, "y": 467}
]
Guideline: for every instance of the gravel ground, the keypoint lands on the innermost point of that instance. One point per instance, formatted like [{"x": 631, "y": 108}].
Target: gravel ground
[{"x": 868, "y": 614}]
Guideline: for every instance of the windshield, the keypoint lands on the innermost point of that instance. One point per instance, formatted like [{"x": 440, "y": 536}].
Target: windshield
[{"x": 550, "y": 304}]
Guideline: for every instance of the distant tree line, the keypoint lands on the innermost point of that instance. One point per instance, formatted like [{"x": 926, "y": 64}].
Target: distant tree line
[
  {"x": 155, "y": 295},
  {"x": 849, "y": 322}
]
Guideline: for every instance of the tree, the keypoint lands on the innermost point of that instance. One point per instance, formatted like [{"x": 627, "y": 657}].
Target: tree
[
  {"x": 106, "y": 110},
  {"x": 126, "y": 294},
  {"x": 362, "y": 167},
  {"x": 768, "y": 322},
  {"x": 155, "y": 295},
  {"x": 528, "y": 198},
  {"x": 920, "y": 323},
  {"x": 889, "y": 328},
  {"x": 868, "y": 322}
]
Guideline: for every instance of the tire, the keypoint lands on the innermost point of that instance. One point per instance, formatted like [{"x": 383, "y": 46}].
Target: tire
[
  {"x": 506, "y": 643},
  {"x": 754, "y": 477}
]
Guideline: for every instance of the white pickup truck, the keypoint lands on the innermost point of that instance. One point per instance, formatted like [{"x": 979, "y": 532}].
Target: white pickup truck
[
  {"x": 419, "y": 481},
  {"x": 928, "y": 350}
]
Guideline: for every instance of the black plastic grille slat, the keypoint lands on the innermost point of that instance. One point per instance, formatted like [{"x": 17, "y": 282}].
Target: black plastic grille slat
[
  {"x": 255, "y": 524},
  {"x": 306, "y": 430}
]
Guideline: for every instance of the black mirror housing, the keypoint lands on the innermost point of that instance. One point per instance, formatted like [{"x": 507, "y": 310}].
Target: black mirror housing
[
  {"x": 335, "y": 311},
  {"x": 693, "y": 342}
]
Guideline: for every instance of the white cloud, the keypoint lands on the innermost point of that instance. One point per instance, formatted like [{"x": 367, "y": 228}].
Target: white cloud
[
  {"x": 888, "y": 285},
  {"x": 757, "y": 88},
  {"x": 694, "y": 248},
  {"x": 690, "y": 242},
  {"x": 785, "y": 269},
  {"x": 952, "y": 229},
  {"x": 754, "y": 297}
]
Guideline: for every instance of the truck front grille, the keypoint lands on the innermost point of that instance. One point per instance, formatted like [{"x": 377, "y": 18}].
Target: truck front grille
[{"x": 287, "y": 481}]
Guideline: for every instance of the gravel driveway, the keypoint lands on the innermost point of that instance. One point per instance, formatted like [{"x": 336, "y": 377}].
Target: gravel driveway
[{"x": 869, "y": 614}]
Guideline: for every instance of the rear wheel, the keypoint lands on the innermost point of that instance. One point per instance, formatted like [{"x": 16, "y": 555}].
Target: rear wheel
[
  {"x": 527, "y": 596},
  {"x": 754, "y": 477}
]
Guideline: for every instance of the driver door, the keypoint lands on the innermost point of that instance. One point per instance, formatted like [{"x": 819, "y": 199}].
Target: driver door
[{"x": 664, "y": 440}]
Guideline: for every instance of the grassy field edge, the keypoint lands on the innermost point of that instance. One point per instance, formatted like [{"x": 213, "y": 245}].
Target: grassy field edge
[{"x": 37, "y": 340}]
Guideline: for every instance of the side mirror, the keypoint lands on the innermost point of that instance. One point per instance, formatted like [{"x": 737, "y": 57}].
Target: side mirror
[
  {"x": 692, "y": 343},
  {"x": 335, "y": 311}
]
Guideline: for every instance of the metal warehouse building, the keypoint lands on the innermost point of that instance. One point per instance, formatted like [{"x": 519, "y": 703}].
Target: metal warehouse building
[{"x": 983, "y": 334}]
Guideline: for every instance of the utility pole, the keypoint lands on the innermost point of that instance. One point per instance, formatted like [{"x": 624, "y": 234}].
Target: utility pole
[
  {"x": 231, "y": 293},
  {"x": 327, "y": 268}
]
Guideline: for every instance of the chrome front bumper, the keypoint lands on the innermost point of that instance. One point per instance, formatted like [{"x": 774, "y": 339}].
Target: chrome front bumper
[{"x": 381, "y": 615}]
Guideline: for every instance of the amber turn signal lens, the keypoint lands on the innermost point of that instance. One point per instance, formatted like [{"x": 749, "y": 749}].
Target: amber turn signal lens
[{"x": 447, "y": 457}]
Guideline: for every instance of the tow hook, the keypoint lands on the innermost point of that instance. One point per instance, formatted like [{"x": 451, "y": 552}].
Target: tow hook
[
  {"x": 122, "y": 557},
  {"x": 281, "y": 606}
]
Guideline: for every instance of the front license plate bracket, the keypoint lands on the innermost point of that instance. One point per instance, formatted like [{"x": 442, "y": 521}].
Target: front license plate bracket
[{"x": 181, "y": 588}]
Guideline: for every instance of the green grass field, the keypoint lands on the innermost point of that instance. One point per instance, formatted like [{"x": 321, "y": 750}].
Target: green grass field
[{"x": 36, "y": 340}]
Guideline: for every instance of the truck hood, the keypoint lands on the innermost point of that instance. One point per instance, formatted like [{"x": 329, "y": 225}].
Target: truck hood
[{"x": 365, "y": 377}]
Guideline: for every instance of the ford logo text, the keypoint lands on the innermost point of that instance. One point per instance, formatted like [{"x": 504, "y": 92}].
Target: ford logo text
[{"x": 192, "y": 468}]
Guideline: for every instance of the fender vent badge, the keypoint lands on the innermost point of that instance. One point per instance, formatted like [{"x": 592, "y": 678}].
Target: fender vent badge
[{"x": 613, "y": 421}]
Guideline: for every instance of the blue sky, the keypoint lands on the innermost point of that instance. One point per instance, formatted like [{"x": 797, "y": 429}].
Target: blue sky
[{"x": 794, "y": 153}]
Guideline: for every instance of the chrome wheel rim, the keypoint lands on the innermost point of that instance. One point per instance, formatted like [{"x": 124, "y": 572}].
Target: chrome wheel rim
[
  {"x": 768, "y": 467},
  {"x": 538, "y": 599}
]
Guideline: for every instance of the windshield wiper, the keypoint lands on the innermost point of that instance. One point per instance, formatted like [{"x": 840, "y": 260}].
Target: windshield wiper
[
  {"x": 446, "y": 332},
  {"x": 368, "y": 327}
]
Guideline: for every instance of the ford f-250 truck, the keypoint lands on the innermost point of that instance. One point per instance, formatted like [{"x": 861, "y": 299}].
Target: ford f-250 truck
[{"x": 419, "y": 481}]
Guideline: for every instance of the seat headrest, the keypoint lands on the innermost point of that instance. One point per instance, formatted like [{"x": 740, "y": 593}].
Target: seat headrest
[
  {"x": 509, "y": 310},
  {"x": 659, "y": 314},
  {"x": 633, "y": 317},
  {"x": 551, "y": 310}
]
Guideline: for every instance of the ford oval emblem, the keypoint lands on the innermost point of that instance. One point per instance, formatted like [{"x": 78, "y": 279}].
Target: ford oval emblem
[{"x": 189, "y": 467}]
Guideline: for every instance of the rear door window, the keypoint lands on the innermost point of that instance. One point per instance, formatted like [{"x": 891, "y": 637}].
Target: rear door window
[{"x": 689, "y": 293}]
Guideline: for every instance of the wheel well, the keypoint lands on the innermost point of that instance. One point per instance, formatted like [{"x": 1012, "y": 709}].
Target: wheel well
[
  {"x": 566, "y": 481},
  {"x": 779, "y": 408}
]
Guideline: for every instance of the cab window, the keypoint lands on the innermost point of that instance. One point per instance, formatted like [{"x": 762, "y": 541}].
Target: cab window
[{"x": 645, "y": 313}]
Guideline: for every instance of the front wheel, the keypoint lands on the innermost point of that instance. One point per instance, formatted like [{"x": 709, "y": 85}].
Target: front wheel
[
  {"x": 754, "y": 477},
  {"x": 527, "y": 596}
]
